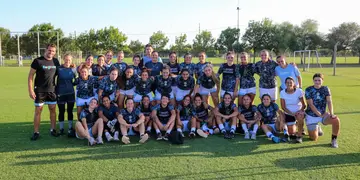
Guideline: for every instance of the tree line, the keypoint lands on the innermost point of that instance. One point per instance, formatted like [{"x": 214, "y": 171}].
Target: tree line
[{"x": 279, "y": 38}]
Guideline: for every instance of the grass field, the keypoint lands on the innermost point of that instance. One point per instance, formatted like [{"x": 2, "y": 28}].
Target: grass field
[{"x": 212, "y": 158}]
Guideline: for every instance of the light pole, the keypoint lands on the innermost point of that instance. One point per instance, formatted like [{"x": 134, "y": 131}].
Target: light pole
[{"x": 237, "y": 54}]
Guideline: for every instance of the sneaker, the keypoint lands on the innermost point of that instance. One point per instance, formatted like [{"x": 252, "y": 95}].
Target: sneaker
[
  {"x": 275, "y": 139},
  {"x": 285, "y": 138},
  {"x": 91, "y": 141},
  {"x": 148, "y": 132},
  {"x": 216, "y": 131},
  {"x": 247, "y": 135},
  {"x": 182, "y": 134},
  {"x": 109, "y": 138},
  {"x": 35, "y": 136},
  {"x": 253, "y": 136},
  {"x": 116, "y": 136},
  {"x": 125, "y": 139},
  {"x": 231, "y": 135},
  {"x": 192, "y": 134},
  {"x": 166, "y": 137},
  {"x": 54, "y": 133},
  {"x": 99, "y": 140},
  {"x": 298, "y": 140},
  {"x": 334, "y": 143},
  {"x": 201, "y": 133},
  {"x": 159, "y": 137},
  {"x": 320, "y": 131},
  {"x": 226, "y": 135},
  {"x": 62, "y": 132},
  {"x": 144, "y": 138},
  {"x": 71, "y": 132}
]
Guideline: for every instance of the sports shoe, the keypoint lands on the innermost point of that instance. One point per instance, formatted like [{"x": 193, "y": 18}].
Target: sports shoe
[
  {"x": 216, "y": 131},
  {"x": 159, "y": 137},
  {"x": 334, "y": 143},
  {"x": 201, "y": 133},
  {"x": 116, "y": 136},
  {"x": 253, "y": 136},
  {"x": 182, "y": 134},
  {"x": 298, "y": 140},
  {"x": 99, "y": 140},
  {"x": 192, "y": 134},
  {"x": 247, "y": 135},
  {"x": 54, "y": 133},
  {"x": 320, "y": 131},
  {"x": 109, "y": 137},
  {"x": 35, "y": 136},
  {"x": 62, "y": 132},
  {"x": 285, "y": 138},
  {"x": 144, "y": 138},
  {"x": 275, "y": 139},
  {"x": 226, "y": 135},
  {"x": 71, "y": 132},
  {"x": 125, "y": 139},
  {"x": 166, "y": 137},
  {"x": 91, "y": 141},
  {"x": 231, "y": 135}
]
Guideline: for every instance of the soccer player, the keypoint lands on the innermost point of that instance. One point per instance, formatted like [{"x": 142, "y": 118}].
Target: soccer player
[
  {"x": 135, "y": 66},
  {"x": 119, "y": 65},
  {"x": 187, "y": 64},
  {"x": 154, "y": 66},
  {"x": 130, "y": 117},
  {"x": 143, "y": 87},
  {"x": 65, "y": 93},
  {"x": 199, "y": 67},
  {"x": 174, "y": 70},
  {"x": 126, "y": 83},
  {"x": 146, "y": 108},
  {"x": 43, "y": 90},
  {"x": 99, "y": 70},
  {"x": 271, "y": 117},
  {"x": 163, "y": 84},
  {"x": 185, "y": 85},
  {"x": 108, "y": 61},
  {"x": 317, "y": 97},
  {"x": 208, "y": 84},
  {"x": 226, "y": 113},
  {"x": 248, "y": 118},
  {"x": 185, "y": 118},
  {"x": 204, "y": 115},
  {"x": 266, "y": 70},
  {"x": 285, "y": 70},
  {"x": 293, "y": 105},
  {"x": 163, "y": 116},
  {"x": 89, "y": 124},
  {"x": 148, "y": 56},
  {"x": 109, "y": 113},
  {"x": 89, "y": 63},
  {"x": 108, "y": 86},
  {"x": 230, "y": 80},
  {"x": 247, "y": 80}
]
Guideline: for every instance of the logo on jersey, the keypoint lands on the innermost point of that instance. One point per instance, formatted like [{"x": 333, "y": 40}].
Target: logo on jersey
[{"x": 48, "y": 67}]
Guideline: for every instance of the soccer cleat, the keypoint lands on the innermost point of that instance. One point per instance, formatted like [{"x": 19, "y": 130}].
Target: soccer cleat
[
  {"x": 99, "y": 140},
  {"x": 166, "y": 137},
  {"x": 144, "y": 138},
  {"x": 116, "y": 136},
  {"x": 109, "y": 137},
  {"x": 231, "y": 135},
  {"x": 159, "y": 137},
  {"x": 62, "y": 132},
  {"x": 334, "y": 143},
  {"x": 298, "y": 140},
  {"x": 201, "y": 133},
  {"x": 35, "y": 136},
  {"x": 91, "y": 141},
  {"x": 247, "y": 135},
  {"x": 192, "y": 134},
  {"x": 54, "y": 133},
  {"x": 320, "y": 131},
  {"x": 125, "y": 139},
  {"x": 275, "y": 139},
  {"x": 253, "y": 136}
]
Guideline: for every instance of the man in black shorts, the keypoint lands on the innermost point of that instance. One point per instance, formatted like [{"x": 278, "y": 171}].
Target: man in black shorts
[{"x": 43, "y": 91}]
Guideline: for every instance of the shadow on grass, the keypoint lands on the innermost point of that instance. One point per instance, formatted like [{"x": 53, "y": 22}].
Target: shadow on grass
[{"x": 319, "y": 162}]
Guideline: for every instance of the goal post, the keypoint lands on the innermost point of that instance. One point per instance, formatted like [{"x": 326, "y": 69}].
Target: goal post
[{"x": 306, "y": 55}]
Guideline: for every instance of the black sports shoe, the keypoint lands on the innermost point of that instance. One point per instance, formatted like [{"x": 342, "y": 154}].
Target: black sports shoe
[
  {"x": 166, "y": 137},
  {"x": 54, "y": 133},
  {"x": 71, "y": 132},
  {"x": 231, "y": 135},
  {"x": 159, "y": 137},
  {"x": 35, "y": 136},
  {"x": 226, "y": 135},
  {"x": 62, "y": 132},
  {"x": 285, "y": 138},
  {"x": 299, "y": 140},
  {"x": 192, "y": 134}
]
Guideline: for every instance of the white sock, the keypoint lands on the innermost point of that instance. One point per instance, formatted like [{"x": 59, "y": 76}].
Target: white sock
[
  {"x": 285, "y": 129},
  {"x": 269, "y": 135},
  {"x": 244, "y": 127},
  {"x": 179, "y": 129},
  {"x": 233, "y": 128},
  {"x": 70, "y": 124},
  {"x": 193, "y": 129},
  {"x": 107, "y": 134},
  {"x": 221, "y": 126},
  {"x": 149, "y": 128},
  {"x": 157, "y": 131},
  {"x": 61, "y": 123},
  {"x": 256, "y": 126},
  {"x": 168, "y": 131}
]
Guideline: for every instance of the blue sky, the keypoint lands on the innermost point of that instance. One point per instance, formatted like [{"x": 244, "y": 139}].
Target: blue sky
[{"x": 140, "y": 18}]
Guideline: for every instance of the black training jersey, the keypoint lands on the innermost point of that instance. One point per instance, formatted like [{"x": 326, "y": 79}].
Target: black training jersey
[
  {"x": 249, "y": 113},
  {"x": 163, "y": 113},
  {"x": 45, "y": 74}
]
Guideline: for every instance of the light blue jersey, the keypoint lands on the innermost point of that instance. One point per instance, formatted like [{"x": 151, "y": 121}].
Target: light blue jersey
[
  {"x": 148, "y": 59},
  {"x": 283, "y": 73}
]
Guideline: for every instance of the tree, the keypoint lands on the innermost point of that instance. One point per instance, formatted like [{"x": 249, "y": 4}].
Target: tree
[
  {"x": 181, "y": 47},
  {"x": 136, "y": 46},
  {"x": 87, "y": 42},
  {"x": 345, "y": 34},
  {"x": 5, "y": 40},
  {"x": 356, "y": 47},
  {"x": 204, "y": 42},
  {"x": 110, "y": 39},
  {"x": 158, "y": 40},
  {"x": 307, "y": 35},
  {"x": 227, "y": 39}
]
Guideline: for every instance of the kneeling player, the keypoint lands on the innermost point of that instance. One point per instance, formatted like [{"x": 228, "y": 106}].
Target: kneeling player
[
  {"x": 226, "y": 113},
  {"x": 163, "y": 116},
  {"x": 145, "y": 108},
  {"x": 204, "y": 119},
  {"x": 248, "y": 118},
  {"x": 90, "y": 124},
  {"x": 109, "y": 113}
]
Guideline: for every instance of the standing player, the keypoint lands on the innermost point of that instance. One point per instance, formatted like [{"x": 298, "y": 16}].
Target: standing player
[
  {"x": 154, "y": 66},
  {"x": 148, "y": 56},
  {"x": 108, "y": 86},
  {"x": 65, "y": 92},
  {"x": 199, "y": 67},
  {"x": 230, "y": 80},
  {"x": 163, "y": 116},
  {"x": 208, "y": 84},
  {"x": 143, "y": 87},
  {"x": 119, "y": 65},
  {"x": 43, "y": 91},
  {"x": 226, "y": 113},
  {"x": 163, "y": 84},
  {"x": 185, "y": 85},
  {"x": 317, "y": 97},
  {"x": 126, "y": 82},
  {"x": 135, "y": 66},
  {"x": 266, "y": 70},
  {"x": 89, "y": 63},
  {"x": 99, "y": 70},
  {"x": 285, "y": 70},
  {"x": 108, "y": 61},
  {"x": 247, "y": 80},
  {"x": 187, "y": 64}
]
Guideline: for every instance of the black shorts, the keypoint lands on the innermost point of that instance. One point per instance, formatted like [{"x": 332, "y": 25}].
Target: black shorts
[
  {"x": 289, "y": 119},
  {"x": 67, "y": 98},
  {"x": 45, "y": 98}
]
